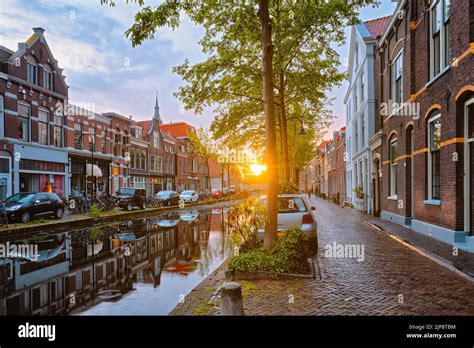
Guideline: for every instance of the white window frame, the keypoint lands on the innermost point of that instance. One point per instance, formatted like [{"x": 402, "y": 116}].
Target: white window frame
[
  {"x": 430, "y": 157},
  {"x": 48, "y": 135},
  {"x": 443, "y": 45},
  {"x": 29, "y": 120},
  {"x": 393, "y": 170},
  {"x": 396, "y": 104}
]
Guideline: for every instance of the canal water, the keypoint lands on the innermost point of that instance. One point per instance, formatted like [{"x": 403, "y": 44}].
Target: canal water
[{"x": 143, "y": 266}]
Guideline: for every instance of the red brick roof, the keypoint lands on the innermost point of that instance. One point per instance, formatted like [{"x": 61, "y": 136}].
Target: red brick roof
[
  {"x": 377, "y": 26},
  {"x": 178, "y": 129}
]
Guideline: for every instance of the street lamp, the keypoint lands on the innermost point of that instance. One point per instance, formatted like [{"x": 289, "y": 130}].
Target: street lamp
[
  {"x": 302, "y": 131},
  {"x": 79, "y": 141}
]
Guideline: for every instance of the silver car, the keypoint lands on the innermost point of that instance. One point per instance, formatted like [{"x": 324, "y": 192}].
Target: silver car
[{"x": 295, "y": 210}]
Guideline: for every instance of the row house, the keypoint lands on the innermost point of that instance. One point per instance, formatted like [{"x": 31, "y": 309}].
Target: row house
[
  {"x": 337, "y": 167},
  {"x": 360, "y": 110},
  {"x": 425, "y": 120},
  {"x": 46, "y": 144},
  {"x": 33, "y": 92},
  {"x": 191, "y": 170}
]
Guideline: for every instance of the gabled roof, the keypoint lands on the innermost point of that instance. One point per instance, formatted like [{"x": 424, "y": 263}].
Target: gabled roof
[
  {"x": 177, "y": 129},
  {"x": 146, "y": 126},
  {"x": 377, "y": 26}
]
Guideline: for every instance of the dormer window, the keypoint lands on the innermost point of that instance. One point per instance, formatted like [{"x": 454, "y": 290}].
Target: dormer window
[
  {"x": 32, "y": 70},
  {"x": 47, "y": 77}
]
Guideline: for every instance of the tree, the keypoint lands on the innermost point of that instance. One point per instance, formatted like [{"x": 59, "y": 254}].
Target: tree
[
  {"x": 204, "y": 148},
  {"x": 239, "y": 66}
]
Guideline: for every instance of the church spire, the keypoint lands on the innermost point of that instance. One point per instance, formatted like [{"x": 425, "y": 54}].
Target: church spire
[{"x": 156, "y": 115}]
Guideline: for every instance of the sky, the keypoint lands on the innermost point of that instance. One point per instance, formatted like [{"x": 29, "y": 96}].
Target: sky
[{"x": 105, "y": 73}]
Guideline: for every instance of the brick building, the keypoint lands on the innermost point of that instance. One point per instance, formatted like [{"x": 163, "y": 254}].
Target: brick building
[
  {"x": 426, "y": 125},
  {"x": 337, "y": 166}
]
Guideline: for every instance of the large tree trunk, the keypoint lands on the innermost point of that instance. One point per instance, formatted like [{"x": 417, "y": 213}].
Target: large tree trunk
[
  {"x": 270, "y": 131},
  {"x": 283, "y": 130}
]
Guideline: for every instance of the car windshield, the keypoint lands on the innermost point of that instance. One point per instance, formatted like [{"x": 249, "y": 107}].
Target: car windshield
[
  {"x": 126, "y": 191},
  {"x": 164, "y": 193},
  {"x": 289, "y": 204},
  {"x": 20, "y": 198},
  {"x": 187, "y": 193}
]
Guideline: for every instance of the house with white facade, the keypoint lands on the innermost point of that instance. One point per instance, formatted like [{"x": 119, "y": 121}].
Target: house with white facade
[{"x": 359, "y": 103}]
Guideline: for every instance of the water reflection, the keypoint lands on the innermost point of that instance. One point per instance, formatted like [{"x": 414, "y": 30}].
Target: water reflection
[{"x": 141, "y": 266}]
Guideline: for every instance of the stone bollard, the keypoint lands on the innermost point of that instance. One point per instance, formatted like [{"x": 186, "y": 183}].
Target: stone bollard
[{"x": 231, "y": 299}]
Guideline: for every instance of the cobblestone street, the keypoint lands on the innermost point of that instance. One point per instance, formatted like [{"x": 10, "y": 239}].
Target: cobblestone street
[{"x": 391, "y": 280}]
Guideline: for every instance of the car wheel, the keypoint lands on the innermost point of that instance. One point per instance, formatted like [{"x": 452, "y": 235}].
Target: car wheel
[
  {"x": 25, "y": 217},
  {"x": 59, "y": 213},
  {"x": 129, "y": 206},
  {"x": 144, "y": 205}
]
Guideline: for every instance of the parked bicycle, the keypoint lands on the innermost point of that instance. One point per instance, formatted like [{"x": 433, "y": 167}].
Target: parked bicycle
[
  {"x": 80, "y": 204},
  {"x": 106, "y": 202}
]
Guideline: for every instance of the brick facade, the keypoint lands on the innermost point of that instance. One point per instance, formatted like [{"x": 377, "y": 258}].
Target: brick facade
[{"x": 430, "y": 203}]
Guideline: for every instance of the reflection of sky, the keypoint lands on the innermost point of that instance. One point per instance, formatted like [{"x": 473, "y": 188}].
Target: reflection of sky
[
  {"x": 103, "y": 68},
  {"x": 147, "y": 300}
]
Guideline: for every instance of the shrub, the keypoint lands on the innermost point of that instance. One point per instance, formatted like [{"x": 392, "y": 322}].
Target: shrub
[
  {"x": 95, "y": 211},
  {"x": 244, "y": 220},
  {"x": 287, "y": 187},
  {"x": 289, "y": 255},
  {"x": 250, "y": 244}
]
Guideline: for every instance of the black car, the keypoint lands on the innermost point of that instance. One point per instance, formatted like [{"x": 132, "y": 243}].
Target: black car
[
  {"x": 168, "y": 197},
  {"x": 128, "y": 197},
  {"x": 25, "y": 206}
]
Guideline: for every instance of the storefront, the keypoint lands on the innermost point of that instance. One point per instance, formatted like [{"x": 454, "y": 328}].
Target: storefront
[
  {"x": 85, "y": 174},
  {"x": 40, "y": 170},
  {"x": 156, "y": 185}
]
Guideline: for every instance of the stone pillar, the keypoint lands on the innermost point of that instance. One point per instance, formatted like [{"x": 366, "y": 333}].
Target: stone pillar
[{"x": 231, "y": 299}]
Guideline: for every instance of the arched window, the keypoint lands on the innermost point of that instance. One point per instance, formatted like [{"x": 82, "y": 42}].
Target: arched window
[
  {"x": 434, "y": 157},
  {"x": 393, "y": 152}
]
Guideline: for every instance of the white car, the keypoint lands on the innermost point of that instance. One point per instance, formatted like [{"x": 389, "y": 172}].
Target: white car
[
  {"x": 189, "y": 196},
  {"x": 294, "y": 210}
]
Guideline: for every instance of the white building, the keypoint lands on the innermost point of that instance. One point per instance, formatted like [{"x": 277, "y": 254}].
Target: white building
[{"x": 360, "y": 110}]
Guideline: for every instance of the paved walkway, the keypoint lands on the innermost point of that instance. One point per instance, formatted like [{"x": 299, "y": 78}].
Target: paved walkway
[{"x": 391, "y": 280}]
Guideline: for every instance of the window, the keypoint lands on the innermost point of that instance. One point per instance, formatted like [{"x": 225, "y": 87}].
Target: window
[
  {"x": 23, "y": 122},
  {"x": 397, "y": 80},
  {"x": 171, "y": 168},
  {"x": 393, "y": 167},
  {"x": 104, "y": 141},
  {"x": 434, "y": 157},
  {"x": 439, "y": 29},
  {"x": 194, "y": 165},
  {"x": 356, "y": 102},
  {"x": 156, "y": 139},
  {"x": 92, "y": 139},
  {"x": 117, "y": 142},
  {"x": 153, "y": 163},
  {"x": 58, "y": 131},
  {"x": 32, "y": 72},
  {"x": 77, "y": 135},
  {"x": 356, "y": 136},
  {"x": 159, "y": 165},
  {"x": 362, "y": 96},
  {"x": 125, "y": 141},
  {"x": 43, "y": 133},
  {"x": 362, "y": 133},
  {"x": 47, "y": 77},
  {"x": 142, "y": 161},
  {"x": 1, "y": 117}
]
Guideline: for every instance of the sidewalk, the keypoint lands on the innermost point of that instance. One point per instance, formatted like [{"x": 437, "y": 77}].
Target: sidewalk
[{"x": 391, "y": 280}]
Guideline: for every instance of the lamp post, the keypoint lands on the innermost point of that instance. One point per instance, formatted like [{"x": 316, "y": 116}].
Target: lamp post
[{"x": 92, "y": 166}]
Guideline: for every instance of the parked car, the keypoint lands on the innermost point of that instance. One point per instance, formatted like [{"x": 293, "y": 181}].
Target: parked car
[
  {"x": 189, "y": 196},
  {"x": 295, "y": 210},
  {"x": 216, "y": 193},
  {"x": 168, "y": 197},
  {"x": 128, "y": 197},
  {"x": 25, "y": 206}
]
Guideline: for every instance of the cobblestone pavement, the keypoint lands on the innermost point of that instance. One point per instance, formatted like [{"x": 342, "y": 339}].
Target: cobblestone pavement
[{"x": 391, "y": 280}]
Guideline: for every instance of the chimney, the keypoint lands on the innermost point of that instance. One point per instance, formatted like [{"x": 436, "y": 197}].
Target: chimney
[{"x": 38, "y": 31}]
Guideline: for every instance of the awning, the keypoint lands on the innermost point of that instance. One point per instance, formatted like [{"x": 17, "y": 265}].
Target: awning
[{"x": 97, "y": 172}]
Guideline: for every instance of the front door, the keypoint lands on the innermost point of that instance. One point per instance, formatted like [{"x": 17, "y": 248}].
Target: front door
[{"x": 469, "y": 167}]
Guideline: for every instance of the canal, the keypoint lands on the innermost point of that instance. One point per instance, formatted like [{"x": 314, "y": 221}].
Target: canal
[{"x": 142, "y": 266}]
